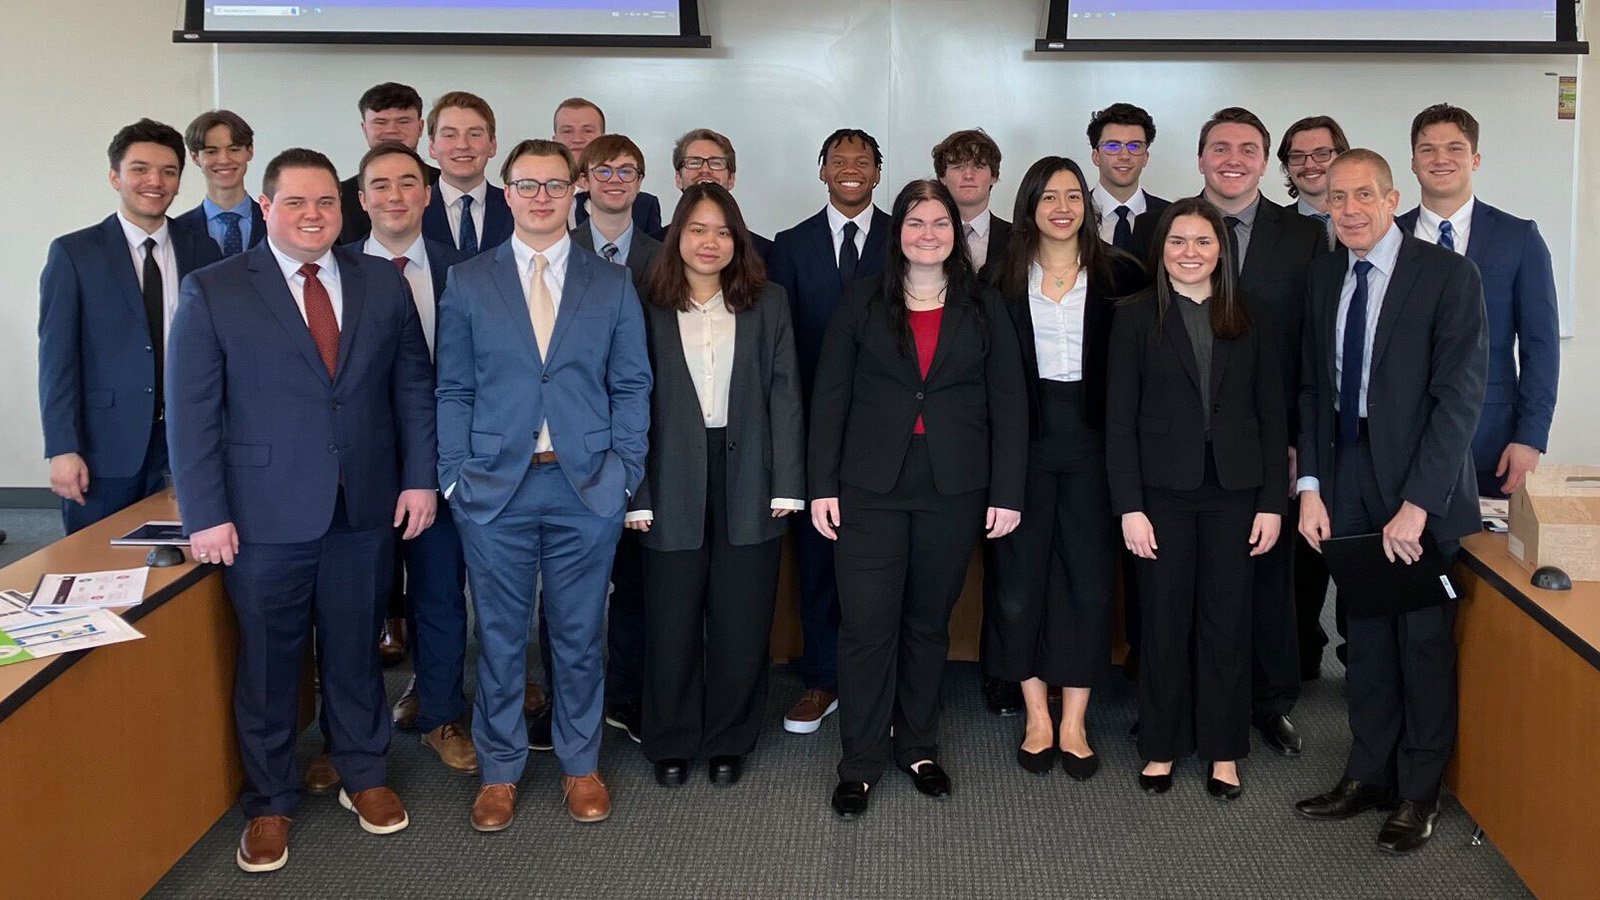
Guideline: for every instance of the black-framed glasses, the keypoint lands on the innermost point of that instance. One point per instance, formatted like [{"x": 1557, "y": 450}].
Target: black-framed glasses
[
  {"x": 554, "y": 188},
  {"x": 1134, "y": 148},
  {"x": 714, "y": 163},
  {"x": 624, "y": 174},
  {"x": 1321, "y": 155}
]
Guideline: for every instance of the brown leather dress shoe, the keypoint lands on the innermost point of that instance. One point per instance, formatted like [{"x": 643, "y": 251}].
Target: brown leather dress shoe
[
  {"x": 379, "y": 809},
  {"x": 533, "y": 699},
  {"x": 587, "y": 798},
  {"x": 264, "y": 846},
  {"x": 407, "y": 708},
  {"x": 454, "y": 747},
  {"x": 495, "y": 807},
  {"x": 392, "y": 643},
  {"x": 321, "y": 776}
]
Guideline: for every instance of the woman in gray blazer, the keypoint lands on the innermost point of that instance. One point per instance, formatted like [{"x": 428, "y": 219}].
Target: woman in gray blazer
[{"x": 726, "y": 465}]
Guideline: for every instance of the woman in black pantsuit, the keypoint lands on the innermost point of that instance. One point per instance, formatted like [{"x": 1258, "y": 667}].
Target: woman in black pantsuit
[
  {"x": 1059, "y": 280},
  {"x": 918, "y": 442},
  {"x": 725, "y": 466},
  {"x": 1194, "y": 428}
]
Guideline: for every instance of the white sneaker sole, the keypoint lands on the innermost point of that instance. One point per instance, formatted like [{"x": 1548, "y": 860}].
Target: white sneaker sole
[
  {"x": 368, "y": 827},
  {"x": 794, "y": 726},
  {"x": 238, "y": 857}
]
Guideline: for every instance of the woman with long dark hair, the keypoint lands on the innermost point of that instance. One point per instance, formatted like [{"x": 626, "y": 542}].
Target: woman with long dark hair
[
  {"x": 726, "y": 464},
  {"x": 917, "y": 447},
  {"x": 1194, "y": 435},
  {"x": 1059, "y": 280}
]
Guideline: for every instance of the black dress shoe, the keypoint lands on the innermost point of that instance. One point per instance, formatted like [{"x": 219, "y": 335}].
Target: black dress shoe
[
  {"x": 1348, "y": 798},
  {"x": 626, "y": 716},
  {"x": 1038, "y": 763},
  {"x": 930, "y": 779},
  {"x": 672, "y": 772},
  {"x": 1408, "y": 827},
  {"x": 850, "y": 799},
  {"x": 1155, "y": 784},
  {"x": 1003, "y": 698},
  {"x": 1081, "y": 768},
  {"x": 1220, "y": 789},
  {"x": 725, "y": 770},
  {"x": 539, "y": 730},
  {"x": 1280, "y": 735}
]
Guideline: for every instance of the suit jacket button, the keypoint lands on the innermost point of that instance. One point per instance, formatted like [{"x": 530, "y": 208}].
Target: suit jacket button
[
  {"x": 335, "y": 406},
  {"x": 544, "y": 379},
  {"x": 333, "y": 448},
  {"x": 1217, "y": 408},
  {"x": 149, "y": 390},
  {"x": 732, "y": 445},
  {"x": 919, "y": 395}
]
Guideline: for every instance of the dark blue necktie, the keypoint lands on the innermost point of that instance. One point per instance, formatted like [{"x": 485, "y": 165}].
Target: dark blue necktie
[
  {"x": 610, "y": 251},
  {"x": 1447, "y": 235},
  {"x": 1122, "y": 237},
  {"x": 469, "y": 229},
  {"x": 232, "y": 234},
  {"x": 1355, "y": 344}
]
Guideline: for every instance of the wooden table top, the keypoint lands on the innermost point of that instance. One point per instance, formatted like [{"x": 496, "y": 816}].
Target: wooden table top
[{"x": 1573, "y": 616}]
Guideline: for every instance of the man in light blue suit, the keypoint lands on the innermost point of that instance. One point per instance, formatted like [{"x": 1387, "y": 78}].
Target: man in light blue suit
[
  {"x": 543, "y": 411},
  {"x": 1519, "y": 292}
]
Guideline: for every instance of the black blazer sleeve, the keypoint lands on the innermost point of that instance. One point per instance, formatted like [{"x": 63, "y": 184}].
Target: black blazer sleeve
[
  {"x": 1273, "y": 497},
  {"x": 1128, "y": 345},
  {"x": 1008, "y": 407},
  {"x": 1458, "y": 377},
  {"x": 832, "y": 389}
]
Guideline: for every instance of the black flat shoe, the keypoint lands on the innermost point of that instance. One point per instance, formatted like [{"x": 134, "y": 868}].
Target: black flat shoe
[
  {"x": 1280, "y": 736},
  {"x": 1408, "y": 827},
  {"x": 1038, "y": 763},
  {"x": 1081, "y": 768},
  {"x": 1155, "y": 784},
  {"x": 930, "y": 780},
  {"x": 725, "y": 770},
  {"x": 850, "y": 799},
  {"x": 1221, "y": 790},
  {"x": 1347, "y": 798},
  {"x": 672, "y": 772},
  {"x": 1003, "y": 698}
]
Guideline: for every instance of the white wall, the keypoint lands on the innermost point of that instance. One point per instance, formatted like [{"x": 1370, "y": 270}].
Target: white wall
[{"x": 781, "y": 77}]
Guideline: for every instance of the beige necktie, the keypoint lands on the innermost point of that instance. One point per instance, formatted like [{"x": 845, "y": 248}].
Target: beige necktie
[{"x": 542, "y": 310}]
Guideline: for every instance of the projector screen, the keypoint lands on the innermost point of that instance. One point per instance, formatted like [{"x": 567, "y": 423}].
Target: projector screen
[
  {"x": 598, "y": 22},
  {"x": 1362, "y": 21}
]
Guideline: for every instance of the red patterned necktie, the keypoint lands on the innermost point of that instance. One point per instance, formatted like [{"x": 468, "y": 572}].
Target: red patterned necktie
[
  {"x": 400, "y": 263},
  {"x": 319, "y": 317}
]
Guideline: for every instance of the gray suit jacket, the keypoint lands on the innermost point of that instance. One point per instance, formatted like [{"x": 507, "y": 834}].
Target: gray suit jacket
[
  {"x": 765, "y": 435},
  {"x": 641, "y": 253}
]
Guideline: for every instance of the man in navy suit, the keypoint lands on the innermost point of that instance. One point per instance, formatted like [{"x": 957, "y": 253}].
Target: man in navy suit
[
  {"x": 813, "y": 261},
  {"x": 299, "y": 414},
  {"x": 222, "y": 144},
  {"x": 105, "y": 298},
  {"x": 577, "y": 122},
  {"x": 544, "y": 411},
  {"x": 394, "y": 192},
  {"x": 466, "y": 211},
  {"x": 1519, "y": 291},
  {"x": 389, "y": 112},
  {"x": 705, "y": 155}
]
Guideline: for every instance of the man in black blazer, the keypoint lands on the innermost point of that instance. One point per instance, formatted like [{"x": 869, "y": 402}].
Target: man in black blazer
[
  {"x": 968, "y": 163},
  {"x": 1395, "y": 364},
  {"x": 1271, "y": 247},
  {"x": 576, "y": 122},
  {"x": 1119, "y": 146},
  {"x": 389, "y": 112},
  {"x": 814, "y": 261},
  {"x": 221, "y": 144},
  {"x": 466, "y": 212},
  {"x": 705, "y": 155}
]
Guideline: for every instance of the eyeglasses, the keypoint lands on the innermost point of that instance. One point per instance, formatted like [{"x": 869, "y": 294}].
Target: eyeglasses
[
  {"x": 624, "y": 174},
  {"x": 1134, "y": 148},
  {"x": 528, "y": 188},
  {"x": 1321, "y": 155},
  {"x": 714, "y": 163}
]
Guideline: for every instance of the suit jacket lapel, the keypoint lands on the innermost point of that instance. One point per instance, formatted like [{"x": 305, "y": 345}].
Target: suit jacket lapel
[
  {"x": 353, "y": 287},
  {"x": 745, "y": 328},
  {"x": 120, "y": 259},
  {"x": 954, "y": 315},
  {"x": 1326, "y": 300},
  {"x": 258, "y": 224},
  {"x": 268, "y": 281},
  {"x": 1022, "y": 313},
  {"x": 509, "y": 282},
  {"x": 573, "y": 292},
  {"x": 1174, "y": 332},
  {"x": 822, "y": 242},
  {"x": 1395, "y": 297},
  {"x": 1264, "y": 235},
  {"x": 1482, "y": 239}
]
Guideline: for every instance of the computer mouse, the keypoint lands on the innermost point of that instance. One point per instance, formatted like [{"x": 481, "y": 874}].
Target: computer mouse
[
  {"x": 163, "y": 556},
  {"x": 1550, "y": 578}
]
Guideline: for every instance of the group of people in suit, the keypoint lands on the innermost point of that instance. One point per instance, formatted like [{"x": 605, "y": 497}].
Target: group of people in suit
[{"x": 371, "y": 393}]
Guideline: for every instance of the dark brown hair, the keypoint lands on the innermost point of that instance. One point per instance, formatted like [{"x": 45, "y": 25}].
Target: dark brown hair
[
  {"x": 1235, "y": 115},
  {"x": 1229, "y": 318},
  {"x": 294, "y": 158},
  {"x": 961, "y": 283},
  {"x": 743, "y": 277},
  {"x": 610, "y": 146},
  {"x": 388, "y": 148},
  {"x": 1121, "y": 114},
  {"x": 239, "y": 131},
  {"x": 681, "y": 148},
  {"x": 538, "y": 147},
  {"x": 1094, "y": 254},
  {"x": 389, "y": 95},
  {"x": 1442, "y": 114},
  {"x": 144, "y": 131},
  {"x": 1309, "y": 123},
  {"x": 970, "y": 146}
]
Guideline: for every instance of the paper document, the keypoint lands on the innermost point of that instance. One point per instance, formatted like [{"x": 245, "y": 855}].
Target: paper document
[
  {"x": 91, "y": 590},
  {"x": 27, "y": 634}
]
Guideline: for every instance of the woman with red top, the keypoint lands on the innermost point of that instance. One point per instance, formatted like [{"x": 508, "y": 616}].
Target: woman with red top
[{"x": 918, "y": 445}]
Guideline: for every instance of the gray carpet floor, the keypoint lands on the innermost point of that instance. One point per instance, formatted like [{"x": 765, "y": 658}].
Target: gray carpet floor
[{"x": 1004, "y": 833}]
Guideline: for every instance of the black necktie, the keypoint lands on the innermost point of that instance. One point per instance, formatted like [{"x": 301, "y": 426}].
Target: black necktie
[
  {"x": 1122, "y": 238},
  {"x": 849, "y": 256},
  {"x": 155, "y": 311},
  {"x": 1234, "y": 256}
]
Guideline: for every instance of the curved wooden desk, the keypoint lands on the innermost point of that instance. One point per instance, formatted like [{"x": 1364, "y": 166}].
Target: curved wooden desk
[{"x": 114, "y": 761}]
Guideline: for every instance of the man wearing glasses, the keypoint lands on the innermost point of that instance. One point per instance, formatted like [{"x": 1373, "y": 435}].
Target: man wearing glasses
[
  {"x": 706, "y": 155},
  {"x": 1120, "y": 137},
  {"x": 578, "y": 121},
  {"x": 1308, "y": 147},
  {"x": 544, "y": 411}
]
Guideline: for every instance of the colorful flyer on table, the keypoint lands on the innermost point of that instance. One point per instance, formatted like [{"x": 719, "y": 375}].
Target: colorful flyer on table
[{"x": 91, "y": 590}]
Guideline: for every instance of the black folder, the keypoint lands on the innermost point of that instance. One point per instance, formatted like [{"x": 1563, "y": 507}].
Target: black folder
[{"x": 1370, "y": 585}]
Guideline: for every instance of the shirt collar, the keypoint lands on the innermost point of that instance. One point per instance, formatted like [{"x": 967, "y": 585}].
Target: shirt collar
[
  {"x": 836, "y": 219},
  {"x": 450, "y": 193},
  {"x": 1306, "y": 209},
  {"x": 1247, "y": 216},
  {"x": 1461, "y": 221},
  {"x": 1106, "y": 205},
  {"x": 417, "y": 253},
  {"x": 136, "y": 236},
  {"x": 556, "y": 256},
  {"x": 1383, "y": 254},
  {"x": 328, "y": 266},
  {"x": 212, "y": 210},
  {"x": 980, "y": 222},
  {"x": 624, "y": 241},
  {"x": 715, "y": 300}
]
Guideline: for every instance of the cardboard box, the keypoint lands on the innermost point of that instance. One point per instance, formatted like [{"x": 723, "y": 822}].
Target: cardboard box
[{"x": 1555, "y": 521}]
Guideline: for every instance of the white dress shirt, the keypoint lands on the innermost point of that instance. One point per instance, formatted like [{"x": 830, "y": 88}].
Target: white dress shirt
[
  {"x": 327, "y": 273},
  {"x": 555, "y": 276},
  {"x": 1058, "y": 327},
  {"x": 836, "y": 222},
  {"x": 1383, "y": 257},
  {"x": 418, "y": 275},
  {"x": 451, "y": 196},
  {"x": 1461, "y": 224},
  {"x": 978, "y": 240},
  {"x": 166, "y": 258},
  {"x": 1105, "y": 210}
]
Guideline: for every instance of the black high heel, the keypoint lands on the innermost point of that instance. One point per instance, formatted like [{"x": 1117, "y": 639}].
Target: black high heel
[
  {"x": 1038, "y": 763},
  {"x": 1155, "y": 784},
  {"x": 1081, "y": 768},
  {"x": 1220, "y": 789}
]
